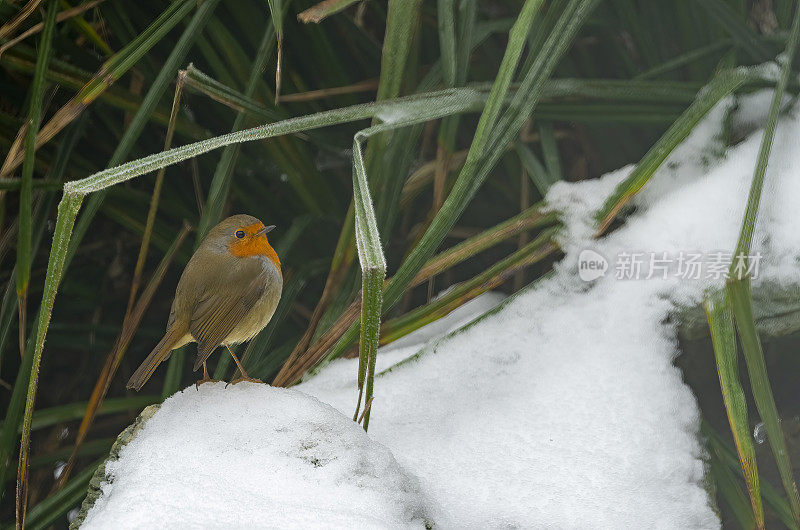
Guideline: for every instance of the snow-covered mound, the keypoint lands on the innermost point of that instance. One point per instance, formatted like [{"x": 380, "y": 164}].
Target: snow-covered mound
[{"x": 253, "y": 456}]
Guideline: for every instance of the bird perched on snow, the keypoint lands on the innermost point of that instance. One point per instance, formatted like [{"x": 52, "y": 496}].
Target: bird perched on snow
[{"x": 226, "y": 295}]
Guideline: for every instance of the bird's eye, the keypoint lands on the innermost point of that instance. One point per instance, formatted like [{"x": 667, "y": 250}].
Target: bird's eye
[{"x": 240, "y": 234}]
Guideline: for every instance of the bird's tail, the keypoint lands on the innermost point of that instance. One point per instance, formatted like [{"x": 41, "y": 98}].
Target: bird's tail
[{"x": 159, "y": 354}]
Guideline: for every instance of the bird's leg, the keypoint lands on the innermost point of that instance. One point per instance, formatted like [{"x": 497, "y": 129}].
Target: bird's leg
[
  {"x": 244, "y": 376},
  {"x": 206, "y": 378}
]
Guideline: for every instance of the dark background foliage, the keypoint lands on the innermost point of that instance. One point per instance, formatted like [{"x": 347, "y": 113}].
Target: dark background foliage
[{"x": 303, "y": 183}]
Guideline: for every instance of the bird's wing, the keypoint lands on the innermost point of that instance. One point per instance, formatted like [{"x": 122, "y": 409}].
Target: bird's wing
[{"x": 223, "y": 302}]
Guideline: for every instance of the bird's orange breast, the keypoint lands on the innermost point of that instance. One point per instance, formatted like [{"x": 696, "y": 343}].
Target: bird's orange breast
[{"x": 254, "y": 245}]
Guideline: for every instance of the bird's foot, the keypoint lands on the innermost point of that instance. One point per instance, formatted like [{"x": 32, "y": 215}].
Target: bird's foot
[
  {"x": 246, "y": 378},
  {"x": 205, "y": 380}
]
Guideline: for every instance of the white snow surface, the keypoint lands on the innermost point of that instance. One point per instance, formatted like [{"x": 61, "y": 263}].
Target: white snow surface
[
  {"x": 254, "y": 456},
  {"x": 561, "y": 409},
  {"x": 564, "y": 409}
]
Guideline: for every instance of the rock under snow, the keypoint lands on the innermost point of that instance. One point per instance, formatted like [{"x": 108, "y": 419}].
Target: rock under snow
[{"x": 253, "y": 456}]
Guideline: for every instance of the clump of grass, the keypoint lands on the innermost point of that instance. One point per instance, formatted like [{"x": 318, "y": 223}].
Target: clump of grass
[{"x": 467, "y": 97}]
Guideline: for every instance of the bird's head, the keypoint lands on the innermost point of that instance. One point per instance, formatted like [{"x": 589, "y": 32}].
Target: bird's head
[{"x": 245, "y": 236}]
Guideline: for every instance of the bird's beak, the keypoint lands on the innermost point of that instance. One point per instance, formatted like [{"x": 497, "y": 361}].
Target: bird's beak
[{"x": 265, "y": 230}]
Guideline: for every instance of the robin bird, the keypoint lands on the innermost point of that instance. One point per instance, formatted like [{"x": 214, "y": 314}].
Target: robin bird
[{"x": 226, "y": 295}]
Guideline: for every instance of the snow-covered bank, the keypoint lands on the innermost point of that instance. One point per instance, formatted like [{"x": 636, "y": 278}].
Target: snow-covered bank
[
  {"x": 253, "y": 456},
  {"x": 562, "y": 409}
]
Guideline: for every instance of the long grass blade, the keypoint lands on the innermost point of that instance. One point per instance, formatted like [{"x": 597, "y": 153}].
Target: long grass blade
[
  {"x": 740, "y": 299},
  {"x": 67, "y": 211},
  {"x": 738, "y": 287},
  {"x": 754, "y": 196},
  {"x": 726, "y": 484},
  {"x": 385, "y": 170},
  {"x": 684, "y": 59},
  {"x": 723, "y": 84},
  {"x": 455, "y": 67},
  {"x": 25, "y": 216},
  {"x": 221, "y": 92},
  {"x": 276, "y": 9},
  {"x": 373, "y": 272},
  {"x": 447, "y": 40},
  {"x": 154, "y": 200},
  {"x": 720, "y": 323},
  {"x": 401, "y": 22},
  {"x": 16, "y": 404},
  {"x": 771, "y": 496},
  {"x": 14, "y": 415},
  {"x": 25, "y": 235}
]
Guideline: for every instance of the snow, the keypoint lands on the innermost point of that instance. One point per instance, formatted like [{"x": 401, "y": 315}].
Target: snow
[
  {"x": 563, "y": 409},
  {"x": 754, "y": 107},
  {"x": 536, "y": 417},
  {"x": 560, "y": 408},
  {"x": 253, "y": 456}
]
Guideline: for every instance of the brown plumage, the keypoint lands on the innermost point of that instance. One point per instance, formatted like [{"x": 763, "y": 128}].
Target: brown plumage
[{"x": 226, "y": 295}]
